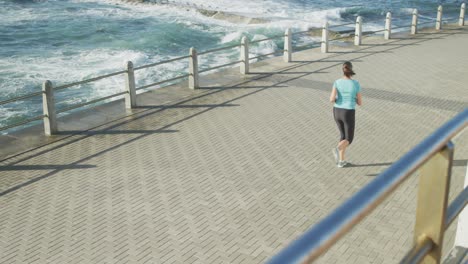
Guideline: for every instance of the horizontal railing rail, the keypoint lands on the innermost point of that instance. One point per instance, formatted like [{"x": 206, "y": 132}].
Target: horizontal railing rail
[
  {"x": 61, "y": 87},
  {"x": 308, "y": 45},
  {"x": 427, "y": 18},
  {"x": 425, "y": 23},
  {"x": 24, "y": 122},
  {"x": 341, "y": 25},
  {"x": 343, "y": 37},
  {"x": 423, "y": 247},
  {"x": 450, "y": 19},
  {"x": 405, "y": 26},
  {"x": 371, "y": 32},
  {"x": 161, "y": 62},
  {"x": 219, "y": 66},
  {"x": 301, "y": 32},
  {"x": 193, "y": 72},
  {"x": 331, "y": 26},
  {"x": 266, "y": 54},
  {"x": 266, "y": 39},
  {"x": 418, "y": 252},
  {"x": 89, "y": 102},
  {"x": 456, "y": 207},
  {"x": 19, "y": 98},
  {"x": 161, "y": 82},
  {"x": 324, "y": 234},
  {"x": 218, "y": 49}
]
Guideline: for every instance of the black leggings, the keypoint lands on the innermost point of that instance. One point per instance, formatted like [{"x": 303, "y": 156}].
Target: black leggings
[{"x": 345, "y": 118}]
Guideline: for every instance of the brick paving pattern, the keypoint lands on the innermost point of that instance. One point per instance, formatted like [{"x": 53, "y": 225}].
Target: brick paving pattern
[{"x": 233, "y": 174}]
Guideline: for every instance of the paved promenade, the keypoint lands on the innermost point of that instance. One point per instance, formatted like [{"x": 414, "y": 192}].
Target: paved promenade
[{"x": 233, "y": 172}]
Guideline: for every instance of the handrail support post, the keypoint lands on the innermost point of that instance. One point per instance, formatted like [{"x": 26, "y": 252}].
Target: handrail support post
[
  {"x": 461, "y": 21},
  {"x": 358, "y": 31},
  {"x": 130, "y": 96},
  {"x": 324, "y": 45},
  {"x": 388, "y": 26},
  {"x": 287, "y": 54},
  {"x": 433, "y": 188},
  {"x": 414, "y": 22},
  {"x": 439, "y": 18},
  {"x": 48, "y": 107},
  {"x": 193, "y": 69},
  {"x": 244, "y": 56},
  {"x": 461, "y": 237}
]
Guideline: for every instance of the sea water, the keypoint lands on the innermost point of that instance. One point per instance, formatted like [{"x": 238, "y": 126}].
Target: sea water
[{"x": 66, "y": 41}]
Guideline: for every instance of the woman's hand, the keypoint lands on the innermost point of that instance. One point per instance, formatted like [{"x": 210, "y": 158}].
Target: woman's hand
[
  {"x": 333, "y": 95},
  {"x": 359, "y": 99}
]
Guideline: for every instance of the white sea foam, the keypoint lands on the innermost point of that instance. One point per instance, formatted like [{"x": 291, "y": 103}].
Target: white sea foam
[
  {"x": 161, "y": 72},
  {"x": 232, "y": 36},
  {"x": 62, "y": 69},
  {"x": 254, "y": 8},
  {"x": 408, "y": 11},
  {"x": 25, "y": 71},
  {"x": 278, "y": 13}
]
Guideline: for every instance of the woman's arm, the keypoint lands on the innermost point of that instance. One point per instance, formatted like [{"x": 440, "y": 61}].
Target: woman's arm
[
  {"x": 333, "y": 95},
  {"x": 359, "y": 99}
]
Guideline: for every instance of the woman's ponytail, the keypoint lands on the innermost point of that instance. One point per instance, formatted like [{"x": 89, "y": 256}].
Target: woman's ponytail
[{"x": 348, "y": 69}]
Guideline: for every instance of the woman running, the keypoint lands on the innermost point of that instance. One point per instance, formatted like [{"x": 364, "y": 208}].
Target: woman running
[{"x": 346, "y": 93}]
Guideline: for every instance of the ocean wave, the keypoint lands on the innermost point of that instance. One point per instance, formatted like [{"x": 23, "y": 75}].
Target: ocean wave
[{"x": 39, "y": 41}]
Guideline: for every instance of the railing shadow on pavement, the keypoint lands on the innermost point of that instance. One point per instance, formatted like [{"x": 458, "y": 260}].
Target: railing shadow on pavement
[
  {"x": 49, "y": 115},
  {"x": 107, "y": 126},
  {"x": 152, "y": 110},
  {"x": 46, "y": 167},
  {"x": 194, "y": 106},
  {"x": 114, "y": 132},
  {"x": 58, "y": 169},
  {"x": 443, "y": 104},
  {"x": 236, "y": 86}
]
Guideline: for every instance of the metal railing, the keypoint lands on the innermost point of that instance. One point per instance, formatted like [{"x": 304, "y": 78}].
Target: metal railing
[
  {"x": 161, "y": 82},
  {"x": 266, "y": 54},
  {"x": 193, "y": 72},
  {"x": 434, "y": 158},
  {"x": 26, "y": 121},
  {"x": 219, "y": 66},
  {"x": 58, "y": 111}
]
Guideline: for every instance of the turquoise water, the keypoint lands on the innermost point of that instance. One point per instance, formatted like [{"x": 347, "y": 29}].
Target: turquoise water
[{"x": 71, "y": 40}]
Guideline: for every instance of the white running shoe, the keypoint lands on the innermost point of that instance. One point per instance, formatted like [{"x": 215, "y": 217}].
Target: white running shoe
[{"x": 342, "y": 163}]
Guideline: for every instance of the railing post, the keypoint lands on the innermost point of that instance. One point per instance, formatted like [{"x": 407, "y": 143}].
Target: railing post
[
  {"x": 388, "y": 26},
  {"x": 244, "y": 56},
  {"x": 358, "y": 31},
  {"x": 193, "y": 69},
  {"x": 287, "y": 54},
  {"x": 461, "y": 22},
  {"x": 48, "y": 107},
  {"x": 325, "y": 37},
  {"x": 414, "y": 23},
  {"x": 434, "y": 182},
  {"x": 439, "y": 18},
  {"x": 130, "y": 96},
  {"x": 461, "y": 237}
]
